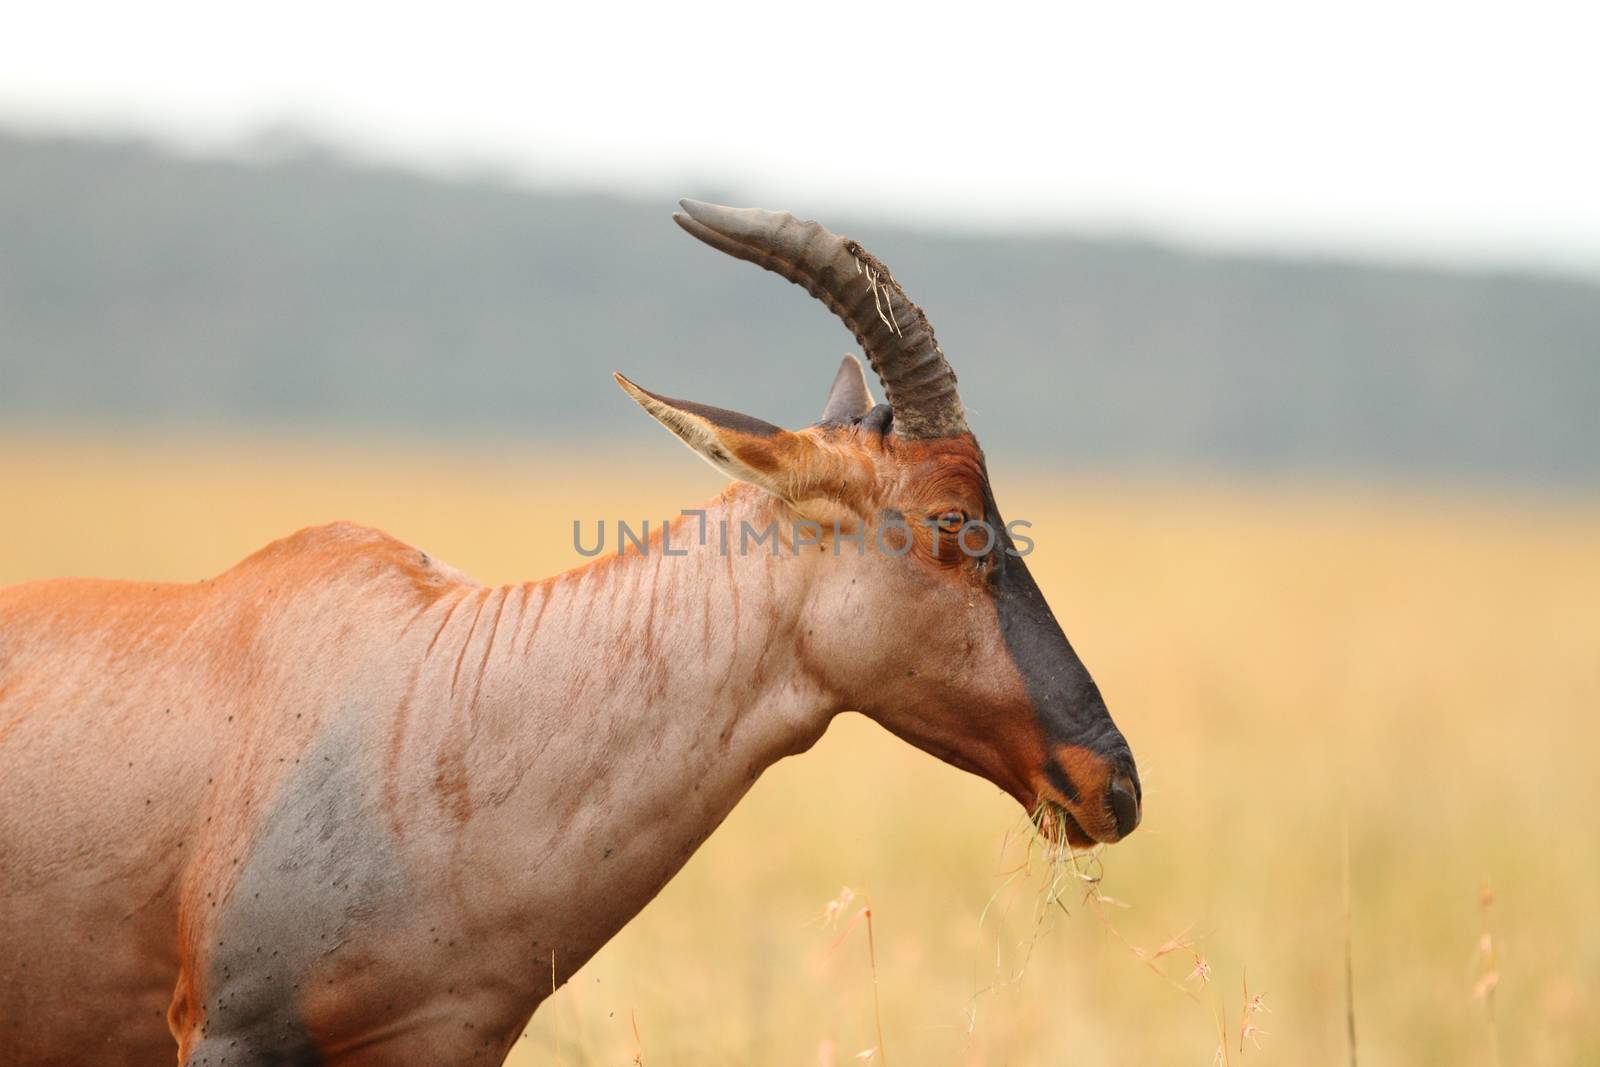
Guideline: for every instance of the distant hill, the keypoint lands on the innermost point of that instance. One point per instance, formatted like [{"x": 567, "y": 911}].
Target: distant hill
[{"x": 140, "y": 287}]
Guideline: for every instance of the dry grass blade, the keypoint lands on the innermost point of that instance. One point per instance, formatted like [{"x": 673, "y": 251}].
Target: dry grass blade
[
  {"x": 1253, "y": 1004},
  {"x": 831, "y": 912},
  {"x": 1349, "y": 965},
  {"x": 1488, "y": 967}
]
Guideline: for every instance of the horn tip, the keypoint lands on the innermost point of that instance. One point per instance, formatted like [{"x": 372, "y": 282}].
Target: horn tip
[{"x": 699, "y": 209}]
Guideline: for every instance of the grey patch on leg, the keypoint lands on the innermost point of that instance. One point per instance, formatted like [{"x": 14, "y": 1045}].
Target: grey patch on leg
[{"x": 320, "y": 872}]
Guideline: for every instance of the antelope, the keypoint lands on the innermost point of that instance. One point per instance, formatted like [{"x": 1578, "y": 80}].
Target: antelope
[{"x": 341, "y": 804}]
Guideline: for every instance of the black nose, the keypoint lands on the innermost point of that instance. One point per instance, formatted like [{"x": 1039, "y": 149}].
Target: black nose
[{"x": 1123, "y": 797}]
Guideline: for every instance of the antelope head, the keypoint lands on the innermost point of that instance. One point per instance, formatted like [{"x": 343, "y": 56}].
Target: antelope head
[{"x": 921, "y": 612}]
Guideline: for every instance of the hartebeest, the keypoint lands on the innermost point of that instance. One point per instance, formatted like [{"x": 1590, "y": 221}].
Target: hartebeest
[{"x": 342, "y": 804}]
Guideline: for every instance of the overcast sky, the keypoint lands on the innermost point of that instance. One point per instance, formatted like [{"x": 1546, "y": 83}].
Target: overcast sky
[{"x": 1438, "y": 131}]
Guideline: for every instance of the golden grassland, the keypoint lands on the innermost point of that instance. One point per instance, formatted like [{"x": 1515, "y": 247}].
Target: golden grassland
[{"x": 1285, "y": 661}]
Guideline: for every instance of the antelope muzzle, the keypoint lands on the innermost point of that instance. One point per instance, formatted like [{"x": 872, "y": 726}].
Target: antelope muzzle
[{"x": 1097, "y": 792}]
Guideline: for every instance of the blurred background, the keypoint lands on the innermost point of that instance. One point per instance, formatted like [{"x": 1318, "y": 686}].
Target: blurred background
[{"x": 1283, "y": 327}]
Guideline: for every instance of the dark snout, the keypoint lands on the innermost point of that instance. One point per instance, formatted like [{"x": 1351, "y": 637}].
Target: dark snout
[
  {"x": 1124, "y": 798},
  {"x": 1088, "y": 769}
]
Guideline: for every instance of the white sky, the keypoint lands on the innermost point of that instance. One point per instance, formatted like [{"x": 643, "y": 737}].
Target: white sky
[{"x": 1440, "y": 131}]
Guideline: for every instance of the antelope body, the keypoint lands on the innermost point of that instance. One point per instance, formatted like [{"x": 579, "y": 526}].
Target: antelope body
[{"x": 344, "y": 805}]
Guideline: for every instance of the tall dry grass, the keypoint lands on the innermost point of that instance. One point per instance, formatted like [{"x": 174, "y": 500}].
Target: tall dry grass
[{"x": 1286, "y": 662}]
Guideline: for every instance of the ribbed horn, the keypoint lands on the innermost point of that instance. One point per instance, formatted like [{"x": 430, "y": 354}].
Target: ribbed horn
[{"x": 891, "y": 330}]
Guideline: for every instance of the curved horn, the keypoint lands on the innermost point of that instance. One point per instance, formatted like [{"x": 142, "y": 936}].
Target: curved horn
[{"x": 892, "y": 331}]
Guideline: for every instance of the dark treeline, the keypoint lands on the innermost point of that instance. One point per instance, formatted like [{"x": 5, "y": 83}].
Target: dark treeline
[{"x": 140, "y": 287}]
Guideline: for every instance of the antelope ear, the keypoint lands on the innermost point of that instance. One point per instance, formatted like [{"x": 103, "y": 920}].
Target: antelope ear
[
  {"x": 739, "y": 446},
  {"x": 849, "y": 399}
]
